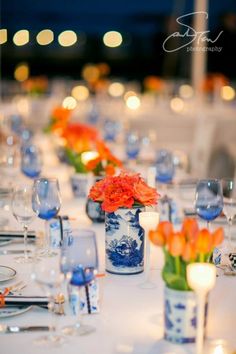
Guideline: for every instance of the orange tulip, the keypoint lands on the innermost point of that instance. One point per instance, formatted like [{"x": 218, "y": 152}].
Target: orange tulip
[
  {"x": 189, "y": 252},
  {"x": 165, "y": 228},
  {"x": 204, "y": 241},
  {"x": 157, "y": 238},
  {"x": 176, "y": 244},
  {"x": 190, "y": 229},
  {"x": 217, "y": 236}
]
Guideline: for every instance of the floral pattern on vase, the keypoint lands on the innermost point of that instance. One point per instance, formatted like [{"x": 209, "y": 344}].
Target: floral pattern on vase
[
  {"x": 124, "y": 241},
  {"x": 180, "y": 316},
  {"x": 94, "y": 211}
]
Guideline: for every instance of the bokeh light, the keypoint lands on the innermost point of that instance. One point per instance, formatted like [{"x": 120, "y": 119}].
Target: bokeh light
[
  {"x": 133, "y": 102},
  {"x": 21, "y": 37},
  {"x": 45, "y": 37},
  {"x": 186, "y": 91},
  {"x": 3, "y": 36},
  {"x": 80, "y": 93},
  {"x": 90, "y": 73},
  {"x": 67, "y": 38},
  {"x": 21, "y": 72},
  {"x": 112, "y": 39},
  {"x": 116, "y": 89},
  {"x": 177, "y": 104},
  {"x": 69, "y": 102},
  {"x": 227, "y": 93}
]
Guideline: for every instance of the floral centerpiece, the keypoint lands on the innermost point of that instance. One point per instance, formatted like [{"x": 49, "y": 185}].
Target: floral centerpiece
[
  {"x": 79, "y": 138},
  {"x": 190, "y": 244},
  {"x": 59, "y": 120},
  {"x": 35, "y": 86},
  {"x": 122, "y": 198},
  {"x": 105, "y": 163}
]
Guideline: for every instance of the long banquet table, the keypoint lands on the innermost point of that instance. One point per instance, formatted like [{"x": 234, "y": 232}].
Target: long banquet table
[{"x": 130, "y": 318}]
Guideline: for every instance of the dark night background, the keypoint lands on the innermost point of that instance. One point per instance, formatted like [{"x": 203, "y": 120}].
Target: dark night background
[{"x": 143, "y": 24}]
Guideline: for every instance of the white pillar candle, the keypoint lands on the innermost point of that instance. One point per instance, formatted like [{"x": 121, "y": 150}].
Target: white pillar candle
[{"x": 201, "y": 278}]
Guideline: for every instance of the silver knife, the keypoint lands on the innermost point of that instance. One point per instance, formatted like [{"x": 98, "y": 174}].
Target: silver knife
[
  {"x": 17, "y": 329},
  {"x": 5, "y": 252}
]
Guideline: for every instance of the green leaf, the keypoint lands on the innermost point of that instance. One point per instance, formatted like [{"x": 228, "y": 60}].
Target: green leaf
[{"x": 75, "y": 160}]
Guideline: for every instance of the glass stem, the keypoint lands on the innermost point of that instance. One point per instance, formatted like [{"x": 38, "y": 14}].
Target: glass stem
[
  {"x": 208, "y": 226},
  {"x": 25, "y": 241},
  {"x": 229, "y": 235},
  {"x": 47, "y": 235},
  {"x": 147, "y": 267}
]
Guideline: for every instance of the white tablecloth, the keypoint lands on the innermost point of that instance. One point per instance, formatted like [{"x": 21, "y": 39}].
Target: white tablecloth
[{"x": 131, "y": 318}]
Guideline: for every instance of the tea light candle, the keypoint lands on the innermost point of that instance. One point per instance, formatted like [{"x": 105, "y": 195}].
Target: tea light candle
[
  {"x": 148, "y": 220},
  {"x": 201, "y": 278},
  {"x": 88, "y": 156},
  {"x": 218, "y": 346}
]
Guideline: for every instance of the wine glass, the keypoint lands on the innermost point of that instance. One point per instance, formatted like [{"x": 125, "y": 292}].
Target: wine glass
[
  {"x": 79, "y": 262},
  {"x": 31, "y": 161},
  {"x": 229, "y": 194},
  {"x": 132, "y": 147},
  {"x": 24, "y": 214},
  {"x": 47, "y": 274},
  {"x": 165, "y": 167},
  {"x": 208, "y": 199},
  {"x": 46, "y": 203}
]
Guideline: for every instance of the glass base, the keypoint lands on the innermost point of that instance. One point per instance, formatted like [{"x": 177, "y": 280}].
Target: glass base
[
  {"x": 47, "y": 253},
  {"x": 28, "y": 259},
  {"x": 81, "y": 330}
]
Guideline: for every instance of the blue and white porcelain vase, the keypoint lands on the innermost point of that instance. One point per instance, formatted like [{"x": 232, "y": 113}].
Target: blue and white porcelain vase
[
  {"x": 124, "y": 241},
  {"x": 79, "y": 184},
  {"x": 94, "y": 211},
  {"x": 180, "y": 316}
]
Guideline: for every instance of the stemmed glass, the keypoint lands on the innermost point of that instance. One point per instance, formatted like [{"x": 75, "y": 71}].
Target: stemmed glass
[
  {"x": 24, "y": 214},
  {"x": 46, "y": 203},
  {"x": 132, "y": 146},
  {"x": 79, "y": 262},
  {"x": 47, "y": 274},
  {"x": 229, "y": 194},
  {"x": 165, "y": 167},
  {"x": 31, "y": 161},
  {"x": 208, "y": 199},
  {"x": 148, "y": 220}
]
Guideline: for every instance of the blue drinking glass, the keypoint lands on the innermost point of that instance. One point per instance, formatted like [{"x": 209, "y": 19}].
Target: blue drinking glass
[
  {"x": 46, "y": 203},
  {"x": 31, "y": 161},
  {"x": 111, "y": 129},
  {"x": 79, "y": 262},
  {"x": 165, "y": 168},
  {"x": 132, "y": 146},
  {"x": 208, "y": 199}
]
